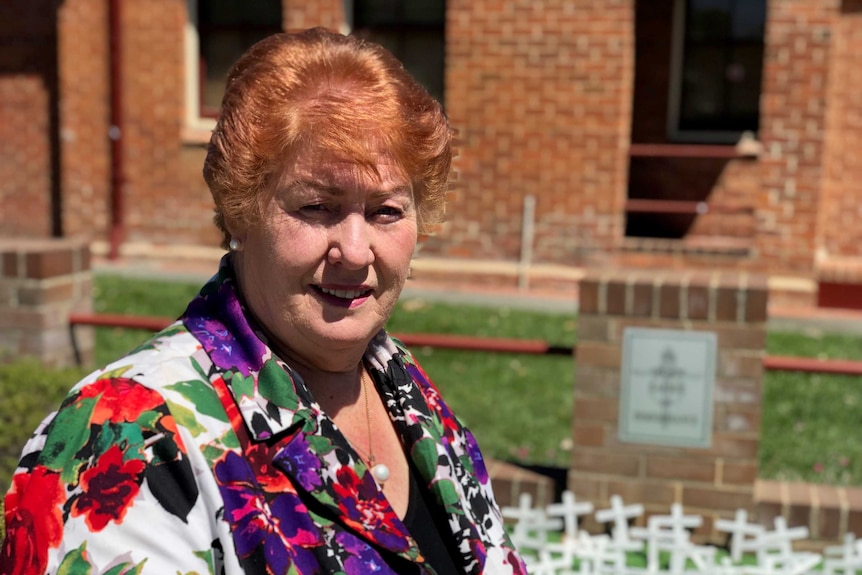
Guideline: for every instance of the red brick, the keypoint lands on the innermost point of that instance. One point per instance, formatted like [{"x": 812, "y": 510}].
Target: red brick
[
  {"x": 599, "y": 461},
  {"x": 616, "y": 297},
  {"x": 588, "y": 297},
  {"x": 598, "y": 354},
  {"x": 716, "y": 498},
  {"x": 10, "y": 264},
  {"x": 738, "y": 472},
  {"x": 669, "y": 301},
  {"x": 680, "y": 468},
  {"x": 642, "y": 299},
  {"x": 828, "y": 513},
  {"x": 35, "y": 296},
  {"x": 596, "y": 409},
  {"x": 49, "y": 263},
  {"x": 588, "y": 434},
  {"x": 649, "y": 493}
]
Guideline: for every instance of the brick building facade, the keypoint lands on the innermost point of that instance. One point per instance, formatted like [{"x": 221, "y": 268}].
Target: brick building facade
[{"x": 568, "y": 156}]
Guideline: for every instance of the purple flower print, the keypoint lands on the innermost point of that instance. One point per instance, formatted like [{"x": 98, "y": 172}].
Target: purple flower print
[
  {"x": 299, "y": 460},
  {"x": 231, "y": 344},
  {"x": 476, "y": 457},
  {"x": 279, "y": 525},
  {"x": 362, "y": 557}
]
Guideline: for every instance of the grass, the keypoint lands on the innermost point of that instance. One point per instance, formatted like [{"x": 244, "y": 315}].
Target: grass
[{"x": 519, "y": 406}]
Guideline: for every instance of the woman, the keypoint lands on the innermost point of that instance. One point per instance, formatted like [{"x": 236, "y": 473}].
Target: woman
[{"x": 276, "y": 428}]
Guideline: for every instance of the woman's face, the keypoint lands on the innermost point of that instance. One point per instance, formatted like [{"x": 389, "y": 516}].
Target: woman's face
[{"x": 323, "y": 271}]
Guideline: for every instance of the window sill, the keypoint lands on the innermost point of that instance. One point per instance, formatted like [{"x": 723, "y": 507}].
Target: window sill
[
  {"x": 703, "y": 245},
  {"x": 197, "y": 134},
  {"x": 751, "y": 150}
]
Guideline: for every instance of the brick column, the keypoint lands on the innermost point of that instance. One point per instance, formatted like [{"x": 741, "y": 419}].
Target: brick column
[
  {"x": 711, "y": 481},
  {"x": 41, "y": 283}
]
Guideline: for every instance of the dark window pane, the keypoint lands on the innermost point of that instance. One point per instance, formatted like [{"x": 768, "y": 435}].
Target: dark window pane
[
  {"x": 749, "y": 20},
  {"x": 744, "y": 76},
  {"x": 424, "y": 54},
  {"x": 239, "y": 12},
  {"x": 702, "y": 88},
  {"x": 425, "y": 11},
  {"x": 722, "y": 65},
  {"x": 226, "y": 29},
  {"x": 707, "y": 20},
  {"x": 413, "y": 30}
]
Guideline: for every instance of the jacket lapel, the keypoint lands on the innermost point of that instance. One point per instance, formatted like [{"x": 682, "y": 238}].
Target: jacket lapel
[{"x": 282, "y": 421}]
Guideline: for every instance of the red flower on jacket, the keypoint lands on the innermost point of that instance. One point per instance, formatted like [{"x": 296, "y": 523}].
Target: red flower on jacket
[
  {"x": 120, "y": 399},
  {"x": 34, "y": 521},
  {"x": 108, "y": 489}
]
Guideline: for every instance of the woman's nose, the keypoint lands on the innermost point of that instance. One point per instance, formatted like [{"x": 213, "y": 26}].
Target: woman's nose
[{"x": 350, "y": 244}]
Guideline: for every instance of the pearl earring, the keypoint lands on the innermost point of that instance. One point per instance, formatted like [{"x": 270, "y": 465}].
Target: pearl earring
[{"x": 234, "y": 244}]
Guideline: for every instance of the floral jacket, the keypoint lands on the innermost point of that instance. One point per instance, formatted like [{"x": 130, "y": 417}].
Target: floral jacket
[{"x": 202, "y": 452}]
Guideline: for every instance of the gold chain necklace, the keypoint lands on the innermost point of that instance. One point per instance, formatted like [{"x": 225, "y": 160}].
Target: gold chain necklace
[{"x": 380, "y": 471}]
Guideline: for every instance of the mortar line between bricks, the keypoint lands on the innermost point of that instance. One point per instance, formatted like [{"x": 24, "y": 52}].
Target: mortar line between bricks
[
  {"x": 656, "y": 296},
  {"x": 683, "y": 297},
  {"x": 603, "y": 296},
  {"x": 843, "y": 511},
  {"x": 713, "y": 298},
  {"x": 814, "y": 511},
  {"x": 630, "y": 294}
]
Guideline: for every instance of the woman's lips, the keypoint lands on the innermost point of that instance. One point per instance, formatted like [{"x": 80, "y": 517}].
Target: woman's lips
[{"x": 343, "y": 297}]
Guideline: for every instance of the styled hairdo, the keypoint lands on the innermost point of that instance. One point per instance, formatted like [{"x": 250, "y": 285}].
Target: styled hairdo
[{"x": 339, "y": 93}]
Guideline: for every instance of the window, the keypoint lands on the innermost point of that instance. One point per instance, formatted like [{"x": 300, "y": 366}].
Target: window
[
  {"x": 717, "y": 69},
  {"x": 413, "y": 30},
  {"x": 218, "y": 32}
]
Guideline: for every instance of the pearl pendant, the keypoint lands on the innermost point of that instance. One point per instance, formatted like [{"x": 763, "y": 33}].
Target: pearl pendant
[{"x": 380, "y": 472}]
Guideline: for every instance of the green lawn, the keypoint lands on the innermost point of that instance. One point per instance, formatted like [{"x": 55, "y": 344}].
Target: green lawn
[{"x": 519, "y": 406}]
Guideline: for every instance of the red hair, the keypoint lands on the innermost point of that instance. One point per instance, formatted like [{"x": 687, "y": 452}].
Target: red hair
[{"x": 339, "y": 93}]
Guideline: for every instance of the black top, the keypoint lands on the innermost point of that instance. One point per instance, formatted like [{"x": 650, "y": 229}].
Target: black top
[{"x": 426, "y": 521}]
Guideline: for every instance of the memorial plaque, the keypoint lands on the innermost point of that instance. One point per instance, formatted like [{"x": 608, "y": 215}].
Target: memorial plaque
[{"x": 667, "y": 380}]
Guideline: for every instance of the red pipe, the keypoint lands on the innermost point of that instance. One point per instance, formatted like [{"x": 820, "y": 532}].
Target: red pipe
[
  {"x": 812, "y": 365},
  {"x": 488, "y": 344},
  {"x": 115, "y": 131},
  {"x": 149, "y": 323}
]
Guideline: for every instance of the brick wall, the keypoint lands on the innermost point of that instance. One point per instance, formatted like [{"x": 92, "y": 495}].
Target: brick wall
[
  {"x": 712, "y": 481},
  {"x": 793, "y": 115},
  {"x": 85, "y": 152},
  {"x": 839, "y": 233},
  {"x": 302, "y": 14},
  {"x": 546, "y": 99},
  {"x": 540, "y": 93},
  {"x": 41, "y": 283},
  {"x": 165, "y": 195},
  {"x": 28, "y": 80},
  {"x": 720, "y": 181}
]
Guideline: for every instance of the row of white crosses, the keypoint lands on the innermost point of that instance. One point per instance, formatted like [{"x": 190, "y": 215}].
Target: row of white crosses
[{"x": 671, "y": 534}]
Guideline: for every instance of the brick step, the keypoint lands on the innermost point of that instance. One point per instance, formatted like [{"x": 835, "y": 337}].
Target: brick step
[{"x": 829, "y": 512}]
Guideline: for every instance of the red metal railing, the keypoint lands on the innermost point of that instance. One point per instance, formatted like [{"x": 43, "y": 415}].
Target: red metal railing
[{"x": 486, "y": 344}]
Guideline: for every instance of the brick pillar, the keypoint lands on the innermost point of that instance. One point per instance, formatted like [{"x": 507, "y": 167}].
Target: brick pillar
[
  {"x": 41, "y": 283},
  {"x": 711, "y": 481}
]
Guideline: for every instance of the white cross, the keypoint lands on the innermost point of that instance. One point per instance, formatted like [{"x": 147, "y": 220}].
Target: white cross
[
  {"x": 570, "y": 510},
  {"x": 779, "y": 540},
  {"x": 532, "y": 525},
  {"x": 842, "y": 559},
  {"x": 620, "y": 515},
  {"x": 668, "y": 533},
  {"x": 739, "y": 530}
]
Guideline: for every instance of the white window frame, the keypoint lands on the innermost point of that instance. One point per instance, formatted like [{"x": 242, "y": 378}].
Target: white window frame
[
  {"x": 675, "y": 92},
  {"x": 193, "y": 119}
]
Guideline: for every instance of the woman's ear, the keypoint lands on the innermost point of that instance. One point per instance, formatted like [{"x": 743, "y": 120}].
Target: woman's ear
[{"x": 236, "y": 235}]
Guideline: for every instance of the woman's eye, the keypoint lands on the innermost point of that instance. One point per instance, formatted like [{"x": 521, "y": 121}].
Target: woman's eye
[
  {"x": 388, "y": 212},
  {"x": 313, "y": 208}
]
